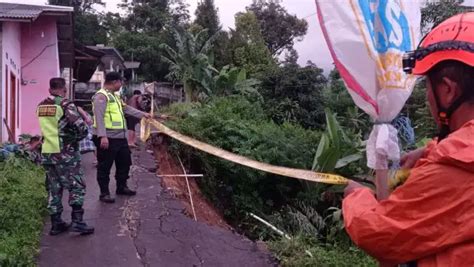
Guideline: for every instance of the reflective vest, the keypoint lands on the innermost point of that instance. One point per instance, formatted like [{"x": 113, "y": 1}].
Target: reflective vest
[
  {"x": 113, "y": 117},
  {"x": 49, "y": 116}
]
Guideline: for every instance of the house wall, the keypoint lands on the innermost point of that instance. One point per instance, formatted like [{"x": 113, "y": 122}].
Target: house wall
[
  {"x": 40, "y": 61},
  {"x": 1, "y": 86},
  {"x": 11, "y": 64}
]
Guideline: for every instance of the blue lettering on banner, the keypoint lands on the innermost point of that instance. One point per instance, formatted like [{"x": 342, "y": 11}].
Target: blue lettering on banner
[{"x": 387, "y": 25}]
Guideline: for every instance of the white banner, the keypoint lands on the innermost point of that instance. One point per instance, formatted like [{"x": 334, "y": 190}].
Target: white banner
[{"x": 367, "y": 40}]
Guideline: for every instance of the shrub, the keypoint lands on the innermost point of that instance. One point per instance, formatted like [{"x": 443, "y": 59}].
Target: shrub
[
  {"x": 22, "y": 207},
  {"x": 304, "y": 251},
  {"x": 240, "y": 126},
  {"x": 309, "y": 211}
]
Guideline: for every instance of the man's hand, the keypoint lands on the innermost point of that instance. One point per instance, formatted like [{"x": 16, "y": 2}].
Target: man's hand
[
  {"x": 351, "y": 186},
  {"x": 86, "y": 117},
  {"x": 104, "y": 143},
  {"x": 147, "y": 115},
  {"x": 409, "y": 160},
  {"x": 89, "y": 121}
]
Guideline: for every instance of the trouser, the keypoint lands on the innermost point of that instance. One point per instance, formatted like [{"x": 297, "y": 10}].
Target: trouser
[
  {"x": 65, "y": 175},
  {"x": 117, "y": 152}
]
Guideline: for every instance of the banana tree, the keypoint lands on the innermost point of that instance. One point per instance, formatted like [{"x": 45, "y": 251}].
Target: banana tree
[
  {"x": 233, "y": 80},
  {"x": 336, "y": 149},
  {"x": 189, "y": 62}
]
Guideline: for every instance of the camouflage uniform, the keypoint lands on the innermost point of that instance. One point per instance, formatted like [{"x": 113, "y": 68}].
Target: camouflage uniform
[{"x": 63, "y": 170}]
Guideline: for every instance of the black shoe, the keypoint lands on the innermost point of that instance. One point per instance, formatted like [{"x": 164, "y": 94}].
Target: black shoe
[
  {"x": 125, "y": 191},
  {"x": 58, "y": 225},
  {"x": 106, "y": 199},
  {"x": 78, "y": 225}
]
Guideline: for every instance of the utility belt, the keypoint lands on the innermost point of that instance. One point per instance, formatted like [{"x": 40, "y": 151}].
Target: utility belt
[{"x": 409, "y": 264}]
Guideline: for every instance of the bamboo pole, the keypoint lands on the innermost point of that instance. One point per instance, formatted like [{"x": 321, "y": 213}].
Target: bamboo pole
[{"x": 189, "y": 188}]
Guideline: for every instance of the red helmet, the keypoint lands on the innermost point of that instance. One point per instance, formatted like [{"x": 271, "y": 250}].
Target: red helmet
[{"x": 453, "y": 39}]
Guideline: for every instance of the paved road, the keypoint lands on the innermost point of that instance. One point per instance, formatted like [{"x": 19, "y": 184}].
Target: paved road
[{"x": 149, "y": 229}]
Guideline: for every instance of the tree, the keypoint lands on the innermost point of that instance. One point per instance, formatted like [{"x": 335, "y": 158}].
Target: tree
[
  {"x": 435, "y": 12},
  {"x": 337, "y": 98},
  {"x": 145, "y": 49},
  {"x": 179, "y": 13},
  {"x": 233, "y": 81},
  {"x": 279, "y": 28},
  {"x": 207, "y": 17},
  {"x": 248, "y": 46},
  {"x": 189, "y": 62},
  {"x": 81, "y": 6},
  {"x": 151, "y": 16},
  {"x": 294, "y": 94},
  {"x": 222, "y": 52},
  {"x": 88, "y": 29},
  {"x": 112, "y": 23},
  {"x": 147, "y": 24},
  {"x": 291, "y": 57}
]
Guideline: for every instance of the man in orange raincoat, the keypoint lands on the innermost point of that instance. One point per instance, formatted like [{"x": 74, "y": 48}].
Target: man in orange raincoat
[{"x": 429, "y": 220}]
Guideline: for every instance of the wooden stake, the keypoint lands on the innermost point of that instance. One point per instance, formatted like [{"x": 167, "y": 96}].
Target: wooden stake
[
  {"x": 189, "y": 188},
  {"x": 381, "y": 183}
]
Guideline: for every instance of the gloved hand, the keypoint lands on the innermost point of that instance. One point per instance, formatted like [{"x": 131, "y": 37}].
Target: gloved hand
[{"x": 409, "y": 160}]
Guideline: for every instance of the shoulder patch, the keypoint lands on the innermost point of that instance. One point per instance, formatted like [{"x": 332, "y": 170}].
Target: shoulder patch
[{"x": 47, "y": 111}]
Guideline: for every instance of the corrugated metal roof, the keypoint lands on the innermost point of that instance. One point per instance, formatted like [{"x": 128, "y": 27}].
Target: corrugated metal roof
[
  {"x": 108, "y": 50},
  {"x": 28, "y": 12},
  {"x": 132, "y": 64},
  {"x": 110, "y": 54}
]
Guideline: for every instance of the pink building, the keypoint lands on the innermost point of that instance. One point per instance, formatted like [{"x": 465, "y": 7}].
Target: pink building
[{"x": 36, "y": 44}]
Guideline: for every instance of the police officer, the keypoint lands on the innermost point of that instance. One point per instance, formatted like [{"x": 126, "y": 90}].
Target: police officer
[
  {"x": 110, "y": 137},
  {"x": 62, "y": 128}
]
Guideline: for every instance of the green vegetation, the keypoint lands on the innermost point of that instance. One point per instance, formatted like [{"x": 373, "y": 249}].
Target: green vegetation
[
  {"x": 237, "y": 125},
  {"x": 304, "y": 251},
  {"x": 22, "y": 210},
  {"x": 309, "y": 210}
]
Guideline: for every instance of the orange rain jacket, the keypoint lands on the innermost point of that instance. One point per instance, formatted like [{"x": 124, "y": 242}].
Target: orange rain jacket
[{"x": 430, "y": 218}]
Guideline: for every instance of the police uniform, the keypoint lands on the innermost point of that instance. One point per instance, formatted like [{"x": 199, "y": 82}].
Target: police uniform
[{"x": 109, "y": 121}]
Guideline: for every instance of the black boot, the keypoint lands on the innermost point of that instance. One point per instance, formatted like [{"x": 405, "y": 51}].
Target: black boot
[
  {"x": 78, "y": 225},
  {"x": 106, "y": 198},
  {"x": 58, "y": 225},
  {"x": 124, "y": 190}
]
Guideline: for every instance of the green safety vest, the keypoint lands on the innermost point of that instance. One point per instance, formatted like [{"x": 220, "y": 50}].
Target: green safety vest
[
  {"x": 49, "y": 116},
  {"x": 113, "y": 117}
]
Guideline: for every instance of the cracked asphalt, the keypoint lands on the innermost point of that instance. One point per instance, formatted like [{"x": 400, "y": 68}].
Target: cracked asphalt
[{"x": 148, "y": 229}]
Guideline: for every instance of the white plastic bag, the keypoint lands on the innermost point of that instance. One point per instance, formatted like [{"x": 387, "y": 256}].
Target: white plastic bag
[{"x": 367, "y": 40}]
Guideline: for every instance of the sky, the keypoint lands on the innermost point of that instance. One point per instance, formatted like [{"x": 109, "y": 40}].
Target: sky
[{"x": 312, "y": 47}]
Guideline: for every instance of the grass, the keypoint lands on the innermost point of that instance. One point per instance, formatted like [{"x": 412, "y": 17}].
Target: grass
[
  {"x": 22, "y": 209},
  {"x": 304, "y": 251}
]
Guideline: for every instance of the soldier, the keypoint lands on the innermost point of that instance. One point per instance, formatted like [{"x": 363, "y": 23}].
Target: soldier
[
  {"x": 62, "y": 128},
  {"x": 110, "y": 137}
]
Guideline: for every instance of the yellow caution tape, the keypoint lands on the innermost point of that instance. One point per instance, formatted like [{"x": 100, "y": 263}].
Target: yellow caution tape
[
  {"x": 283, "y": 171},
  {"x": 398, "y": 178},
  {"x": 145, "y": 130}
]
